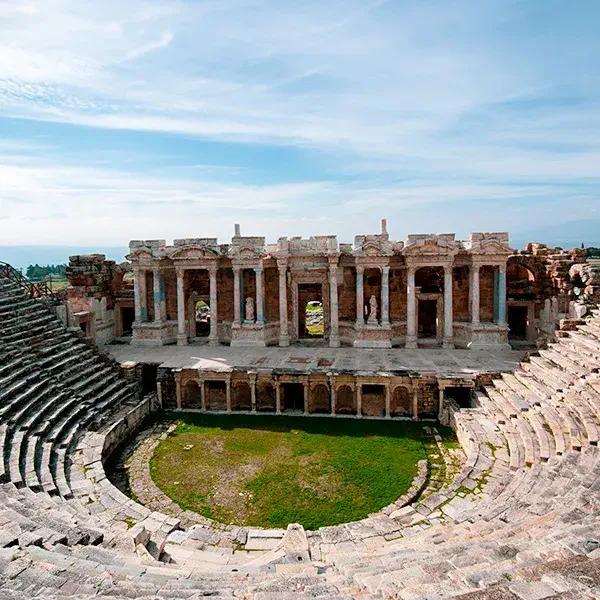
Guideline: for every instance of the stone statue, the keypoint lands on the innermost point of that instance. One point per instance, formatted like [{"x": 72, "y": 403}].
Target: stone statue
[
  {"x": 372, "y": 310},
  {"x": 250, "y": 310}
]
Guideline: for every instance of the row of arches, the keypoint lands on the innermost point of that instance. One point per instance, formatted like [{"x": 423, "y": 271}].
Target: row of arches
[{"x": 294, "y": 397}]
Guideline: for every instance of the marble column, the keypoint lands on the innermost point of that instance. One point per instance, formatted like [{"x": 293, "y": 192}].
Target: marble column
[
  {"x": 388, "y": 412},
  {"x": 143, "y": 296},
  {"x": 448, "y": 341},
  {"x": 260, "y": 302},
  {"x": 306, "y": 389},
  {"x": 332, "y": 395},
  {"x": 359, "y": 400},
  {"x": 385, "y": 296},
  {"x": 228, "y": 395},
  {"x": 158, "y": 295},
  {"x": 137, "y": 296},
  {"x": 213, "y": 338},
  {"x": 237, "y": 302},
  {"x": 253, "y": 393},
  {"x": 415, "y": 404},
  {"x": 411, "y": 309},
  {"x": 502, "y": 295},
  {"x": 474, "y": 294},
  {"x": 278, "y": 397},
  {"x": 202, "y": 395},
  {"x": 284, "y": 338},
  {"x": 334, "y": 329},
  {"x": 360, "y": 296},
  {"x": 178, "y": 393},
  {"x": 440, "y": 402},
  {"x": 182, "y": 338}
]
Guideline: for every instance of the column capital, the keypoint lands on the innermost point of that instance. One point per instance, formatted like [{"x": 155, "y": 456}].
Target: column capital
[
  {"x": 360, "y": 268},
  {"x": 258, "y": 269},
  {"x": 385, "y": 269},
  {"x": 502, "y": 268}
]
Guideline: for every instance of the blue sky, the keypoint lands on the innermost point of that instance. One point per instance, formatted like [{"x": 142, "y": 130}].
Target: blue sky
[{"x": 164, "y": 119}]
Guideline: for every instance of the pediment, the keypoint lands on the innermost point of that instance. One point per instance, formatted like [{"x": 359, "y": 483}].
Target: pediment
[
  {"x": 429, "y": 247},
  {"x": 191, "y": 252},
  {"x": 140, "y": 254},
  {"x": 493, "y": 247}
]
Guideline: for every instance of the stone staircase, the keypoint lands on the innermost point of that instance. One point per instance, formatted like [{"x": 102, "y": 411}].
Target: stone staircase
[{"x": 520, "y": 520}]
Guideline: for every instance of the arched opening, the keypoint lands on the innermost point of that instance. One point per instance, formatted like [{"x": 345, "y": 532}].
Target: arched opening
[
  {"x": 345, "y": 402},
  {"x": 400, "y": 405},
  {"x": 292, "y": 397},
  {"x": 373, "y": 400},
  {"x": 265, "y": 396},
  {"x": 191, "y": 397},
  {"x": 127, "y": 320},
  {"x": 461, "y": 395},
  {"x": 320, "y": 399},
  {"x": 521, "y": 292},
  {"x": 202, "y": 318},
  {"x": 216, "y": 395},
  {"x": 241, "y": 396}
]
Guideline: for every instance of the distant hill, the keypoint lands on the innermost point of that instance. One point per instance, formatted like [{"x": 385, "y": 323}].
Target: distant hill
[{"x": 23, "y": 256}]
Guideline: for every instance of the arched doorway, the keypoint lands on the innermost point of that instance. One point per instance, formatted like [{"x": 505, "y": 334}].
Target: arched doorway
[
  {"x": 429, "y": 282},
  {"x": 311, "y": 317},
  {"x": 400, "y": 405},
  {"x": 241, "y": 397},
  {"x": 191, "y": 397},
  {"x": 345, "y": 401},
  {"x": 201, "y": 319},
  {"x": 320, "y": 400},
  {"x": 373, "y": 400},
  {"x": 265, "y": 396}
]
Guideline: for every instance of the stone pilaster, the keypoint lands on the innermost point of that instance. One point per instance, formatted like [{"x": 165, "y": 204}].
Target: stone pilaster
[
  {"x": 213, "y": 338},
  {"x": 332, "y": 394},
  {"x": 284, "y": 338},
  {"x": 411, "y": 309},
  {"x": 440, "y": 402},
  {"x": 182, "y": 338},
  {"x": 334, "y": 332},
  {"x": 253, "y": 391},
  {"x": 228, "y": 395},
  {"x": 359, "y": 400},
  {"x": 502, "y": 295},
  {"x": 415, "y": 404},
  {"x": 159, "y": 295},
  {"x": 448, "y": 341},
  {"x": 278, "y": 397},
  {"x": 360, "y": 296},
  {"x": 388, "y": 412},
  {"x": 474, "y": 294},
  {"x": 306, "y": 389},
  {"x": 237, "y": 301},
  {"x": 137, "y": 294},
  {"x": 260, "y": 302},
  {"x": 385, "y": 295}
]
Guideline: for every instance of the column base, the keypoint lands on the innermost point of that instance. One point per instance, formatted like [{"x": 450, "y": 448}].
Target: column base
[
  {"x": 284, "y": 341},
  {"x": 448, "y": 343},
  {"x": 334, "y": 342},
  {"x": 411, "y": 343},
  {"x": 182, "y": 339},
  {"x": 213, "y": 341}
]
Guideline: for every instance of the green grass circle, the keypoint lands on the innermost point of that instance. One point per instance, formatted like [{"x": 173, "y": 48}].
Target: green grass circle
[{"x": 268, "y": 471}]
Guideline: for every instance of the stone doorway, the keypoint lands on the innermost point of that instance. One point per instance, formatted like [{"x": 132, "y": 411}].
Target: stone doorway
[
  {"x": 311, "y": 321},
  {"x": 201, "y": 319},
  {"x": 127, "y": 319},
  {"x": 292, "y": 397},
  {"x": 427, "y": 319},
  {"x": 517, "y": 322},
  {"x": 461, "y": 395}
]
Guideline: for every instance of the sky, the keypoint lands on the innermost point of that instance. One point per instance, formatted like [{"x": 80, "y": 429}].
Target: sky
[{"x": 163, "y": 119}]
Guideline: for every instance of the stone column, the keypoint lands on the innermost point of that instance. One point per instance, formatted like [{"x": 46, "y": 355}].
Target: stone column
[
  {"x": 360, "y": 296},
  {"x": 143, "y": 296},
  {"x": 411, "y": 309},
  {"x": 440, "y": 401},
  {"x": 475, "y": 294},
  {"x": 385, "y": 296},
  {"x": 415, "y": 404},
  {"x": 448, "y": 341},
  {"x": 388, "y": 412},
  {"x": 359, "y": 400},
  {"x": 157, "y": 289},
  {"x": 334, "y": 331},
  {"x": 332, "y": 395},
  {"x": 213, "y": 338},
  {"x": 278, "y": 397},
  {"x": 253, "y": 393},
  {"x": 202, "y": 395},
  {"x": 178, "y": 393},
  {"x": 228, "y": 395},
  {"x": 260, "y": 303},
  {"x": 284, "y": 337},
  {"x": 137, "y": 298},
  {"x": 237, "y": 302},
  {"x": 182, "y": 338},
  {"x": 306, "y": 389},
  {"x": 502, "y": 295}
]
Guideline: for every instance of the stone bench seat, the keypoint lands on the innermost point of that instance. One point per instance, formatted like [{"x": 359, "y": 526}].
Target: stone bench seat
[{"x": 544, "y": 374}]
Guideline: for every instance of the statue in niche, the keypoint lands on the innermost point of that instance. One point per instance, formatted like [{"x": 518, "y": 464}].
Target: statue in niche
[
  {"x": 249, "y": 310},
  {"x": 372, "y": 310}
]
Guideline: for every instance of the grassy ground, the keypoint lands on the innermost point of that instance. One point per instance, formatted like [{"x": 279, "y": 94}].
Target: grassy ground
[{"x": 270, "y": 471}]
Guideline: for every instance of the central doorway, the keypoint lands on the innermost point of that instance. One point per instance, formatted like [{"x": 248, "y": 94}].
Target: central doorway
[
  {"x": 292, "y": 397},
  {"x": 311, "y": 321},
  {"x": 427, "y": 319},
  {"x": 202, "y": 318}
]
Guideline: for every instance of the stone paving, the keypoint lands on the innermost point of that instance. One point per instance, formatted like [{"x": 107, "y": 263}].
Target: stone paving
[{"x": 438, "y": 362}]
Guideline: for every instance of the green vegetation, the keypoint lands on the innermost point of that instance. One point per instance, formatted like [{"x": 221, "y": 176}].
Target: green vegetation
[
  {"x": 270, "y": 471},
  {"x": 37, "y": 272}
]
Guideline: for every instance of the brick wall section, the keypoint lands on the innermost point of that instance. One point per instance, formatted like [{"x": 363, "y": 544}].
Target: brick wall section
[
  {"x": 347, "y": 295},
  {"x": 398, "y": 295},
  {"x": 460, "y": 294},
  {"x": 486, "y": 294}
]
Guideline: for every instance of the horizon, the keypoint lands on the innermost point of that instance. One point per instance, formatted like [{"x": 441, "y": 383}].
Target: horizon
[{"x": 155, "y": 119}]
